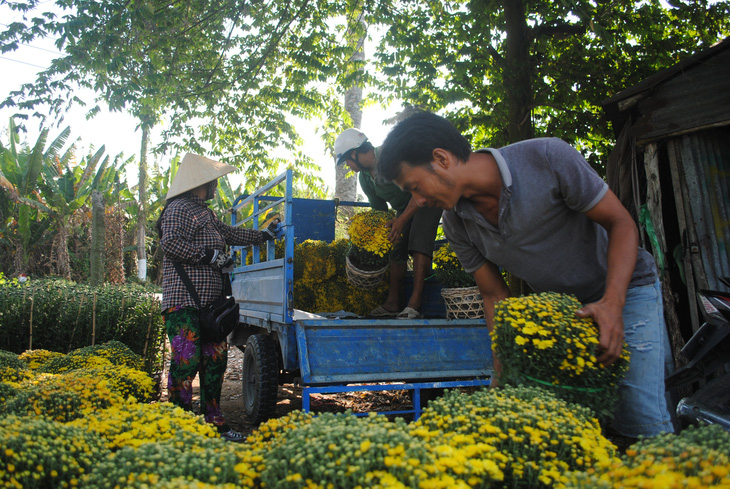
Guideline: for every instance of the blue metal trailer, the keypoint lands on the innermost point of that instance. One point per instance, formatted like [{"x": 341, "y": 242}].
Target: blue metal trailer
[{"x": 331, "y": 355}]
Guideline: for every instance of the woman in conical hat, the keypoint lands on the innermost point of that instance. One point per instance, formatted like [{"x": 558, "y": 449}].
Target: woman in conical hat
[{"x": 193, "y": 237}]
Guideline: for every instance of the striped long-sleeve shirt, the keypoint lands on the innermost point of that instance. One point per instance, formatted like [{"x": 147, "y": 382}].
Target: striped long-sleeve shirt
[{"x": 189, "y": 228}]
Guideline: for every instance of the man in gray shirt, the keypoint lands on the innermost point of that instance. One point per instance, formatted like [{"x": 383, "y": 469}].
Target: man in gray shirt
[{"x": 538, "y": 210}]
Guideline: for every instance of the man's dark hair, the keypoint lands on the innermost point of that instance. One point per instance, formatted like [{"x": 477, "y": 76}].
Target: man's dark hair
[{"x": 413, "y": 140}]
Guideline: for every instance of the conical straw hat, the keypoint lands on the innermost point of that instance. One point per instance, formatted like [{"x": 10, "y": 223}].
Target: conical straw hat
[{"x": 194, "y": 171}]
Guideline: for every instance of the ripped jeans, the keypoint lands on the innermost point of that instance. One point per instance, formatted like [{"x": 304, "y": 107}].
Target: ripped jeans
[{"x": 642, "y": 409}]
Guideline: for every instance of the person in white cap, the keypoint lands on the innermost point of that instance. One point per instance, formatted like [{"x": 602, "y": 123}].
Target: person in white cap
[
  {"x": 412, "y": 231},
  {"x": 192, "y": 236}
]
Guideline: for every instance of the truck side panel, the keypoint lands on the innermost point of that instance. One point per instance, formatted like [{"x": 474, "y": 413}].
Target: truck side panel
[{"x": 351, "y": 351}]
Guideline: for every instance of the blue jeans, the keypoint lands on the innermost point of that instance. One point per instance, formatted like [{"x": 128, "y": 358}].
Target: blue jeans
[{"x": 642, "y": 409}]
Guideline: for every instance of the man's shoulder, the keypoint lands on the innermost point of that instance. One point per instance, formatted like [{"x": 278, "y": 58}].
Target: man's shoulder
[
  {"x": 451, "y": 218},
  {"x": 365, "y": 177},
  {"x": 535, "y": 144}
]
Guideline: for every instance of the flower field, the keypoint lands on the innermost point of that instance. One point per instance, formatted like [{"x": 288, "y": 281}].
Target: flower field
[{"x": 87, "y": 420}]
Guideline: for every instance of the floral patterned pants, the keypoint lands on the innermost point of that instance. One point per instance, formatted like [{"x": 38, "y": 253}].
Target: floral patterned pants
[{"x": 191, "y": 355}]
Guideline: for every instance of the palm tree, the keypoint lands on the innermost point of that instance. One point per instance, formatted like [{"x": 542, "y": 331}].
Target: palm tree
[
  {"x": 66, "y": 188},
  {"x": 20, "y": 170}
]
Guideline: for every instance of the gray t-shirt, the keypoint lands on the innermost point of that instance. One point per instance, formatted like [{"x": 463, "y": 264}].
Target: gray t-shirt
[{"x": 543, "y": 235}]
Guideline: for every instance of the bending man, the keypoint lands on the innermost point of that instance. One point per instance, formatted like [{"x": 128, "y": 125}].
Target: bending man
[{"x": 537, "y": 209}]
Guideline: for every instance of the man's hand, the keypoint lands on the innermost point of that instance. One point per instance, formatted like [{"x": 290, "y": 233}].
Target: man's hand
[
  {"x": 609, "y": 317},
  {"x": 396, "y": 228},
  {"x": 272, "y": 230},
  {"x": 217, "y": 258}
]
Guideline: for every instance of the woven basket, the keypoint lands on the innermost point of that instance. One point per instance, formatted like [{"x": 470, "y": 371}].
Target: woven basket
[
  {"x": 364, "y": 279},
  {"x": 463, "y": 303}
]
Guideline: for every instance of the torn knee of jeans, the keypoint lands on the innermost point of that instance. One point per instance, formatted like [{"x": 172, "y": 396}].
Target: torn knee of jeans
[
  {"x": 641, "y": 347},
  {"x": 630, "y": 329}
]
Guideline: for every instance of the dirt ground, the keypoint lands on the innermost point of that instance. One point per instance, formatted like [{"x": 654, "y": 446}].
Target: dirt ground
[{"x": 290, "y": 397}]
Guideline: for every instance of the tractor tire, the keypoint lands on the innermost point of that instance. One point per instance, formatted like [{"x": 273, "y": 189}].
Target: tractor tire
[{"x": 260, "y": 378}]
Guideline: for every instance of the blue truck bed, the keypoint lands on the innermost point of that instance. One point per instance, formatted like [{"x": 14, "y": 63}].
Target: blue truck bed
[{"x": 342, "y": 355}]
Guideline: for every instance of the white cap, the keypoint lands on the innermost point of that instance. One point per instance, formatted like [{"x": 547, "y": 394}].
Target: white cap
[
  {"x": 194, "y": 171},
  {"x": 347, "y": 141}
]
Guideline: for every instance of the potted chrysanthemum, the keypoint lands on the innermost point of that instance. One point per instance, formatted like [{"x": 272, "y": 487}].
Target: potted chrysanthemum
[
  {"x": 367, "y": 258},
  {"x": 540, "y": 341},
  {"x": 459, "y": 290}
]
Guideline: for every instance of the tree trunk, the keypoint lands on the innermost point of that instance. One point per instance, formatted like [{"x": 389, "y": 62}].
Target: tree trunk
[
  {"x": 98, "y": 238},
  {"x": 114, "y": 245},
  {"x": 60, "y": 250},
  {"x": 21, "y": 260},
  {"x": 142, "y": 214},
  {"x": 346, "y": 186},
  {"x": 519, "y": 96},
  {"x": 517, "y": 73}
]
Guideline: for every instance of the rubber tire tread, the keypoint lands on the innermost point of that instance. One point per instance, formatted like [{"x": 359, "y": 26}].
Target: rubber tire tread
[{"x": 262, "y": 349}]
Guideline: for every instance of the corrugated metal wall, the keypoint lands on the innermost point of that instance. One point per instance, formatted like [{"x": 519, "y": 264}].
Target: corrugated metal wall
[{"x": 705, "y": 161}]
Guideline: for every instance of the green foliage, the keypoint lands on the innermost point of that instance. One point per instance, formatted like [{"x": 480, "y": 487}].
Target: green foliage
[
  {"x": 66, "y": 316},
  {"x": 503, "y": 71},
  {"x": 257, "y": 68}
]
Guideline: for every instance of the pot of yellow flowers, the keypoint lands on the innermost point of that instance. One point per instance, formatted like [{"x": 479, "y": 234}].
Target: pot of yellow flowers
[
  {"x": 540, "y": 341},
  {"x": 367, "y": 259},
  {"x": 459, "y": 291}
]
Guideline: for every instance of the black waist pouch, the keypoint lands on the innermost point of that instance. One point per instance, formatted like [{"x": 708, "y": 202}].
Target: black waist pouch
[{"x": 218, "y": 319}]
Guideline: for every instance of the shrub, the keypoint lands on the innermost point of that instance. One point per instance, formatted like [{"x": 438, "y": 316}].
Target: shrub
[
  {"x": 66, "y": 316},
  {"x": 368, "y": 233},
  {"x": 320, "y": 280},
  {"x": 36, "y": 359},
  {"x": 532, "y": 436},
  {"x": 63, "y": 397},
  {"x": 448, "y": 269},
  {"x": 7, "y": 392},
  {"x": 109, "y": 353},
  {"x": 696, "y": 458},
  {"x": 12, "y": 368},
  {"x": 187, "y": 457},
  {"x": 68, "y": 363},
  {"x": 134, "y": 424},
  {"x": 38, "y": 453},
  {"x": 540, "y": 341},
  {"x": 122, "y": 381},
  {"x": 343, "y": 451}
]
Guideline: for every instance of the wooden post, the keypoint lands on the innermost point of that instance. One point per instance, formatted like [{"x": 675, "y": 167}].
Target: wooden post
[
  {"x": 76, "y": 325},
  {"x": 93, "y": 322},
  {"x": 147, "y": 339},
  {"x": 30, "y": 341},
  {"x": 654, "y": 200}
]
